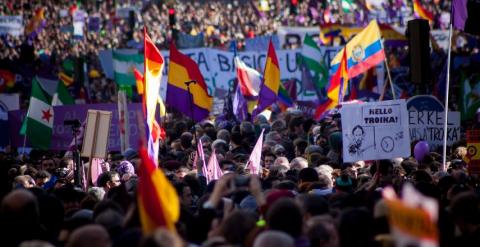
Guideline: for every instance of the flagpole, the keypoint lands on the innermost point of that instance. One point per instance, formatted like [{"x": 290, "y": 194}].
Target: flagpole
[
  {"x": 445, "y": 122},
  {"x": 389, "y": 76}
]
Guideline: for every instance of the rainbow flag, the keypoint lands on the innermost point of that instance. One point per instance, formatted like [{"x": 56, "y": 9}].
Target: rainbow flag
[
  {"x": 364, "y": 51},
  {"x": 158, "y": 203},
  {"x": 183, "y": 69},
  {"x": 336, "y": 89},
  {"x": 154, "y": 62},
  {"x": 271, "y": 81},
  {"x": 423, "y": 13},
  {"x": 284, "y": 98}
]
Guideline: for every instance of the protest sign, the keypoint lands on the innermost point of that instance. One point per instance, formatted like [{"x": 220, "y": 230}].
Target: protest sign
[
  {"x": 190, "y": 41},
  {"x": 62, "y": 135},
  {"x": 377, "y": 130},
  {"x": 426, "y": 121},
  {"x": 8, "y": 102},
  {"x": 260, "y": 43},
  {"x": 78, "y": 23},
  {"x": 293, "y": 36},
  {"x": 473, "y": 152},
  {"x": 11, "y": 24},
  {"x": 428, "y": 126},
  {"x": 95, "y": 140},
  {"x": 413, "y": 218}
]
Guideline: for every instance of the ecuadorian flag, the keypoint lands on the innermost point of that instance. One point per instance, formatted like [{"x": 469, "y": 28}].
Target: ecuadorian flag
[
  {"x": 183, "y": 69},
  {"x": 364, "y": 51},
  {"x": 271, "y": 83}
]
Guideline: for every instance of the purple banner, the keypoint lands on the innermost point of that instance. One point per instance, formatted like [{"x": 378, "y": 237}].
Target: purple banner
[{"x": 63, "y": 136}]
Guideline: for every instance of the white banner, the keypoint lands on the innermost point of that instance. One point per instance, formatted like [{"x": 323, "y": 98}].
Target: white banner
[
  {"x": 428, "y": 126},
  {"x": 377, "y": 130},
  {"x": 11, "y": 24},
  {"x": 218, "y": 68}
]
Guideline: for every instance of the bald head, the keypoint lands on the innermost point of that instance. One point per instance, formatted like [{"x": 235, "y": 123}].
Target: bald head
[
  {"x": 89, "y": 236},
  {"x": 273, "y": 239}
]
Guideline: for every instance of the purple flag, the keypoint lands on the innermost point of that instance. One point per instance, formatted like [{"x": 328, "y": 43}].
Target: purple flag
[
  {"x": 240, "y": 107},
  {"x": 465, "y": 15}
]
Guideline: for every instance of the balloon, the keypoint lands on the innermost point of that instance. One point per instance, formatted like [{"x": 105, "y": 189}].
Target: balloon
[{"x": 421, "y": 149}]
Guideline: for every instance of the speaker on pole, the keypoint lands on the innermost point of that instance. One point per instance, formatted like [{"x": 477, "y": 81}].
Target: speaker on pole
[{"x": 418, "y": 34}]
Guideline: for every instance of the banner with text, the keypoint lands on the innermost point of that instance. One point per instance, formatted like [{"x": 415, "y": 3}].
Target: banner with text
[
  {"x": 62, "y": 135},
  {"x": 218, "y": 69},
  {"x": 11, "y": 24},
  {"x": 376, "y": 130}
]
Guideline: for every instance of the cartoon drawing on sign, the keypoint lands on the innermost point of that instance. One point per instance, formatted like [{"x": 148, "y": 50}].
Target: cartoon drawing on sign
[{"x": 357, "y": 141}]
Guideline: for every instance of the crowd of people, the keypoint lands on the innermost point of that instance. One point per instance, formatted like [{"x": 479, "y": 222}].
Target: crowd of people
[
  {"x": 54, "y": 43},
  {"x": 305, "y": 195}
]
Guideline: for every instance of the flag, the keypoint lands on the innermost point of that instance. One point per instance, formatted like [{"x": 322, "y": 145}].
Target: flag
[
  {"x": 65, "y": 78},
  {"x": 313, "y": 63},
  {"x": 335, "y": 90},
  {"x": 158, "y": 203},
  {"x": 196, "y": 104},
  {"x": 423, "y": 13},
  {"x": 124, "y": 63},
  {"x": 62, "y": 96},
  {"x": 123, "y": 120},
  {"x": 466, "y": 16},
  {"x": 271, "y": 81},
  {"x": 139, "y": 81},
  {"x": 199, "y": 154},
  {"x": 213, "y": 171},
  {"x": 249, "y": 79},
  {"x": 38, "y": 122},
  {"x": 240, "y": 105},
  {"x": 364, "y": 51},
  {"x": 154, "y": 63},
  {"x": 253, "y": 163},
  {"x": 284, "y": 98},
  {"x": 7, "y": 79},
  {"x": 35, "y": 24}
]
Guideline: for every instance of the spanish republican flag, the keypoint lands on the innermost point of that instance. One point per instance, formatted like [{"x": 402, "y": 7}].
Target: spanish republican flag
[
  {"x": 336, "y": 89},
  {"x": 271, "y": 83},
  {"x": 364, "y": 51},
  {"x": 152, "y": 77},
  {"x": 158, "y": 203},
  {"x": 422, "y": 12},
  {"x": 196, "y": 104}
]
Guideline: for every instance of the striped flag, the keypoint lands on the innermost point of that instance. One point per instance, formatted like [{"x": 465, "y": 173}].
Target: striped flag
[
  {"x": 312, "y": 62},
  {"x": 422, "y": 12},
  {"x": 199, "y": 155},
  {"x": 195, "y": 103},
  {"x": 255, "y": 159},
  {"x": 65, "y": 78},
  {"x": 158, "y": 202},
  {"x": 335, "y": 90},
  {"x": 124, "y": 63},
  {"x": 38, "y": 123},
  {"x": 154, "y": 63},
  {"x": 56, "y": 90},
  {"x": 271, "y": 81}
]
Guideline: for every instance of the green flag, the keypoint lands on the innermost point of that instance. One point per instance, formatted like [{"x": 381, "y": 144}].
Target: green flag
[
  {"x": 313, "y": 61},
  {"x": 56, "y": 90},
  {"x": 124, "y": 61},
  {"x": 38, "y": 123}
]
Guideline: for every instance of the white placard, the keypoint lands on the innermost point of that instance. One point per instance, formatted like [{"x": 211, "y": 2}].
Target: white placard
[
  {"x": 377, "y": 130},
  {"x": 95, "y": 141}
]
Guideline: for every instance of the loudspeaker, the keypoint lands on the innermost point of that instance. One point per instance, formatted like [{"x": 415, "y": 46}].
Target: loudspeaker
[{"x": 418, "y": 34}]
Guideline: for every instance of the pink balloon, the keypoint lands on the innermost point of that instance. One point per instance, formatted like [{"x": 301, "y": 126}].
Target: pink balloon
[{"x": 421, "y": 149}]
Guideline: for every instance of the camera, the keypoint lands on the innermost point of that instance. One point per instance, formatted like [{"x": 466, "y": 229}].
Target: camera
[
  {"x": 74, "y": 123},
  {"x": 242, "y": 181}
]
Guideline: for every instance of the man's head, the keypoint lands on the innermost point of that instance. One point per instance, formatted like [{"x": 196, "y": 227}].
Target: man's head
[
  {"x": 286, "y": 216},
  {"x": 268, "y": 159},
  {"x": 108, "y": 180},
  {"x": 184, "y": 193}
]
